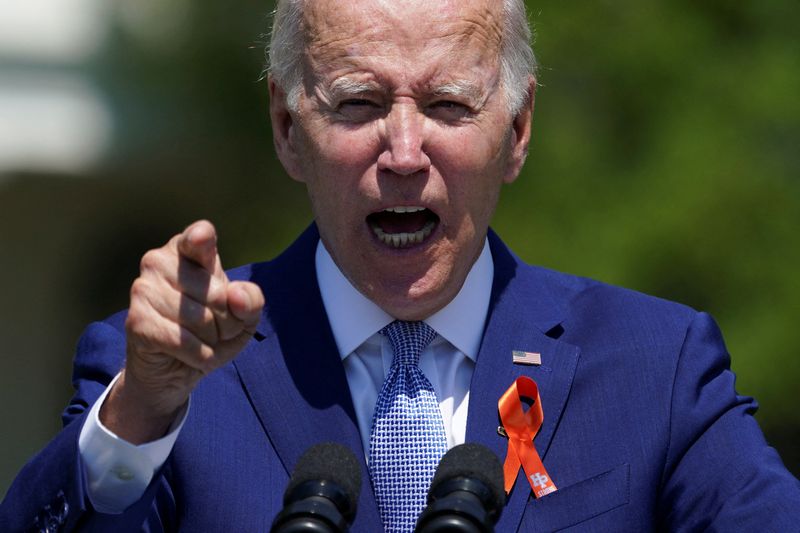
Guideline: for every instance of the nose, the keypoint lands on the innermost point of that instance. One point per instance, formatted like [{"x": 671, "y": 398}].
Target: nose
[{"x": 404, "y": 141}]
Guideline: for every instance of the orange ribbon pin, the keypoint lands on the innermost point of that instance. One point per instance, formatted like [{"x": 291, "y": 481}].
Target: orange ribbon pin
[{"x": 521, "y": 427}]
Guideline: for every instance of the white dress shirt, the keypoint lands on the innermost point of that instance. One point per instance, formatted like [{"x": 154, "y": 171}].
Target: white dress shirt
[
  {"x": 119, "y": 472},
  {"x": 448, "y": 362}
]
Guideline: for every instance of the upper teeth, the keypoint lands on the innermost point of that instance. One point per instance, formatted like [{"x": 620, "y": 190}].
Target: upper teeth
[{"x": 404, "y": 209}]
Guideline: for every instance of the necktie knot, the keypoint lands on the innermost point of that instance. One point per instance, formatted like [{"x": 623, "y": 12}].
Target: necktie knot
[{"x": 408, "y": 340}]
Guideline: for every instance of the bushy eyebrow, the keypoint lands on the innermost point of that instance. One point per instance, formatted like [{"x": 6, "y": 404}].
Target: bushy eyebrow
[
  {"x": 347, "y": 86},
  {"x": 344, "y": 86},
  {"x": 459, "y": 89}
]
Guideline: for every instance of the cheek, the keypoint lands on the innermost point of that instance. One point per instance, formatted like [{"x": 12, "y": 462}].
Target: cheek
[
  {"x": 471, "y": 150},
  {"x": 335, "y": 164},
  {"x": 472, "y": 168},
  {"x": 337, "y": 169},
  {"x": 347, "y": 148}
]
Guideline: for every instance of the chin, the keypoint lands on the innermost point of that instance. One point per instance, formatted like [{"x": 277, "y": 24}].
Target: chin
[
  {"x": 410, "y": 312},
  {"x": 415, "y": 301}
]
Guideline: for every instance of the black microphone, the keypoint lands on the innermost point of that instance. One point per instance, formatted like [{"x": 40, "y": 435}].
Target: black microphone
[
  {"x": 466, "y": 494},
  {"x": 322, "y": 492}
]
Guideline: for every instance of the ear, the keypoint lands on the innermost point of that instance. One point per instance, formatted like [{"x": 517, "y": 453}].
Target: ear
[
  {"x": 283, "y": 130},
  {"x": 521, "y": 133}
]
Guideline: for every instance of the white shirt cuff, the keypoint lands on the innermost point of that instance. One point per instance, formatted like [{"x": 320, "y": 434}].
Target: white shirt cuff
[{"x": 118, "y": 471}]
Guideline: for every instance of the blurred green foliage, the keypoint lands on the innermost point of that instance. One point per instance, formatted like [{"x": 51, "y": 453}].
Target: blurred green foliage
[{"x": 665, "y": 158}]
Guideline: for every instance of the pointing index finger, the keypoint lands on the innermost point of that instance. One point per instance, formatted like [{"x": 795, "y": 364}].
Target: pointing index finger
[{"x": 198, "y": 243}]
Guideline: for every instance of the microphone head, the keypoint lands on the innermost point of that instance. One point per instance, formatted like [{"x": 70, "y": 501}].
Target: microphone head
[
  {"x": 474, "y": 462},
  {"x": 327, "y": 469}
]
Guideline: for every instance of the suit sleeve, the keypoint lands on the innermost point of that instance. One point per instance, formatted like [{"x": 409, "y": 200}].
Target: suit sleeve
[
  {"x": 50, "y": 492},
  {"x": 720, "y": 474}
]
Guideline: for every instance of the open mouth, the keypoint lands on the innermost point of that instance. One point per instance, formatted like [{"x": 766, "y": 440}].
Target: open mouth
[{"x": 403, "y": 226}]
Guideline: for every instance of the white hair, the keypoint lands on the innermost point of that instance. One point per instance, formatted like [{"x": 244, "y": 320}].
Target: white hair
[{"x": 287, "y": 44}]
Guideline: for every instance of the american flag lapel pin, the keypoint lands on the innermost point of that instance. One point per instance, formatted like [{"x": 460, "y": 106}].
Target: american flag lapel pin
[{"x": 526, "y": 358}]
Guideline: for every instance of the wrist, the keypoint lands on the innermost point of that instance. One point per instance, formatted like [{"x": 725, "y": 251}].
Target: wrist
[{"x": 137, "y": 413}]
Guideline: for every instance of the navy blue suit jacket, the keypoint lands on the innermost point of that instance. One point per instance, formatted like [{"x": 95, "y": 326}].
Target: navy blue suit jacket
[{"x": 642, "y": 430}]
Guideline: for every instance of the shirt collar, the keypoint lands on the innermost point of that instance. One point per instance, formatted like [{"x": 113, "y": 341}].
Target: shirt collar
[{"x": 354, "y": 318}]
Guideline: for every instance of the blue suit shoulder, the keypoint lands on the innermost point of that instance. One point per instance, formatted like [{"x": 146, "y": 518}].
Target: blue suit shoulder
[
  {"x": 596, "y": 312},
  {"x": 598, "y": 309}
]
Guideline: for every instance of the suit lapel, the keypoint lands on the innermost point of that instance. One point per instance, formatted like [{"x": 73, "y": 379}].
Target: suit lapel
[
  {"x": 525, "y": 314},
  {"x": 292, "y": 371}
]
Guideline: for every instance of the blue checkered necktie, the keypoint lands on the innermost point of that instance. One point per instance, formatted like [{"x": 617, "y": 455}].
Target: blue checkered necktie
[{"x": 407, "y": 439}]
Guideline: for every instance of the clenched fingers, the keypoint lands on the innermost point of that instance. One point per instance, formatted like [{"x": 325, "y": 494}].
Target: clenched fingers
[
  {"x": 171, "y": 305},
  {"x": 155, "y": 341}
]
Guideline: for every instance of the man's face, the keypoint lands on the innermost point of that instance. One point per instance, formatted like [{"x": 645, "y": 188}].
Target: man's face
[{"x": 403, "y": 139}]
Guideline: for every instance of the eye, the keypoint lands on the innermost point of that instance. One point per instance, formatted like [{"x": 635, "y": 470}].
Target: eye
[
  {"x": 449, "y": 110},
  {"x": 447, "y": 104},
  {"x": 357, "y": 102},
  {"x": 359, "y": 109}
]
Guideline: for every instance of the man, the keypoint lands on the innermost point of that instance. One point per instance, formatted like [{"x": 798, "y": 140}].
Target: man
[{"x": 403, "y": 119}]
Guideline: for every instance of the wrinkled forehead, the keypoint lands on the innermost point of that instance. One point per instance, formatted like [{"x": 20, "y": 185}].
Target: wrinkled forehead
[{"x": 335, "y": 30}]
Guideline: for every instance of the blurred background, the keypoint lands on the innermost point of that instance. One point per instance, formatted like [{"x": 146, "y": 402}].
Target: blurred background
[{"x": 665, "y": 158}]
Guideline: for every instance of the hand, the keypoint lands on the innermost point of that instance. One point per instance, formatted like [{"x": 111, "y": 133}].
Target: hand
[{"x": 185, "y": 320}]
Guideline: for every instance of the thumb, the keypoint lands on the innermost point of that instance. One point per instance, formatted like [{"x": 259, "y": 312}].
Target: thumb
[{"x": 245, "y": 302}]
